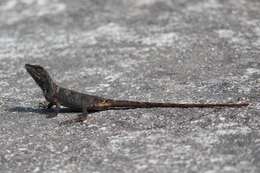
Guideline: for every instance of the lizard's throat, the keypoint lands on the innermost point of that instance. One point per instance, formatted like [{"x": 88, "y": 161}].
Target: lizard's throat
[{"x": 51, "y": 93}]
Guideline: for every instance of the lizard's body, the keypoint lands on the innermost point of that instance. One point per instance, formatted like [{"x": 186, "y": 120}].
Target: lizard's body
[
  {"x": 78, "y": 101},
  {"x": 56, "y": 95}
]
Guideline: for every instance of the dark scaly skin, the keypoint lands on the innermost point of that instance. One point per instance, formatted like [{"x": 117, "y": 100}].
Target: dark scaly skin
[{"x": 57, "y": 96}]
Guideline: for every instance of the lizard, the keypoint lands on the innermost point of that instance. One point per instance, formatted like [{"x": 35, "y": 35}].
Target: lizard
[{"x": 57, "y": 96}]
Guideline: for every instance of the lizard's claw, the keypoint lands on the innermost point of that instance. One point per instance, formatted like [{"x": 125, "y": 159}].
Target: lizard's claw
[
  {"x": 42, "y": 105},
  {"x": 45, "y": 105}
]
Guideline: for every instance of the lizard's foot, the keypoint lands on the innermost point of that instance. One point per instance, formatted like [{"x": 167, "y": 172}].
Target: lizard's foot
[
  {"x": 42, "y": 105},
  {"x": 80, "y": 119},
  {"x": 55, "y": 113},
  {"x": 45, "y": 105}
]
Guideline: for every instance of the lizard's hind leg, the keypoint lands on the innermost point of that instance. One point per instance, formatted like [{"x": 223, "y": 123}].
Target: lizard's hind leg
[{"x": 81, "y": 118}]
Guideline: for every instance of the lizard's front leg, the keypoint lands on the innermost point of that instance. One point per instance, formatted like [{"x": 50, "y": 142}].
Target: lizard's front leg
[{"x": 56, "y": 110}]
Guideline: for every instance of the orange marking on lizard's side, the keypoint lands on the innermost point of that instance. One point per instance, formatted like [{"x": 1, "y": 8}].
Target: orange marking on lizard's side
[{"x": 104, "y": 103}]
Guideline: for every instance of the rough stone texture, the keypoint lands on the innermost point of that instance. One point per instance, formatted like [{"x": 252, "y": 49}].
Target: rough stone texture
[{"x": 151, "y": 50}]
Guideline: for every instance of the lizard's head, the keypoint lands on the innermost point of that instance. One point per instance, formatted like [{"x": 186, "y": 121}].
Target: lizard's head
[{"x": 41, "y": 77}]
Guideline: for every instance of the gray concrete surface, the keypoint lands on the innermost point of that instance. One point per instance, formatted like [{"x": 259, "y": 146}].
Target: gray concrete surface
[{"x": 151, "y": 50}]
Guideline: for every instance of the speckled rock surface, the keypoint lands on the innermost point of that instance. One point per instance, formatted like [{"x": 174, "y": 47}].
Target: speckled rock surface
[{"x": 150, "y": 50}]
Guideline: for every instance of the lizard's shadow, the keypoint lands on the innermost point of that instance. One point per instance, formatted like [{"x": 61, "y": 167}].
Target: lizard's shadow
[
  {"x": 48, "y": 111},
  {"x": 44, "y": 111}
]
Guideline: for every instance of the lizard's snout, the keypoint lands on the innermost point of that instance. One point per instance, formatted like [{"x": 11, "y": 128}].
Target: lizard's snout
[
  {"x": 31, "y": 69},
  {"x": 28, "y": 66}
]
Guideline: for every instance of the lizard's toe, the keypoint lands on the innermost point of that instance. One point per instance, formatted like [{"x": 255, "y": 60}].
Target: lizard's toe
[{"x": 81, "y": 119}]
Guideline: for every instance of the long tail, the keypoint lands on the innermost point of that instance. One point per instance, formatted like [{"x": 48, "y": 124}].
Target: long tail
[{"x": 134, "y": 104}]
